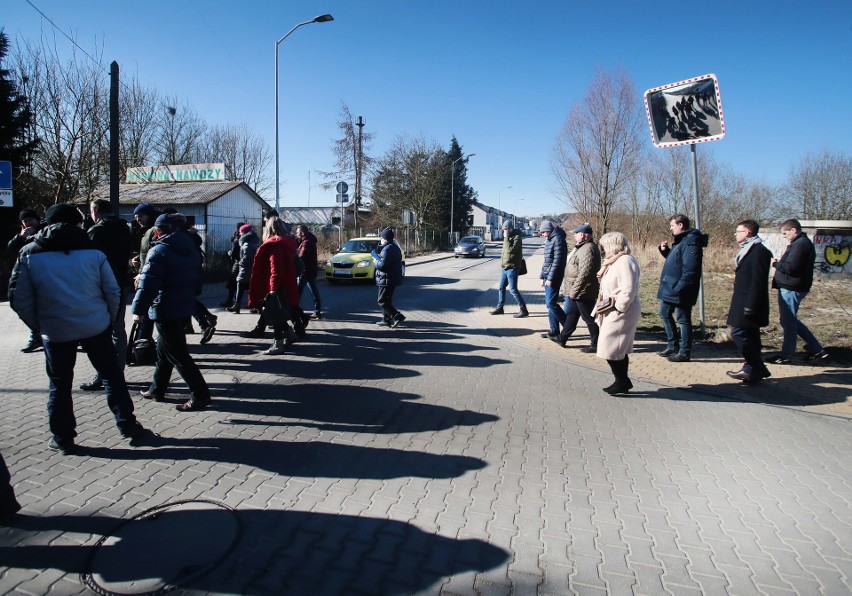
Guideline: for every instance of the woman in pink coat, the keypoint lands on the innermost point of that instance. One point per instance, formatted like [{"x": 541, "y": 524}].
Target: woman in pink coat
[{"x": 617, "y": 310}]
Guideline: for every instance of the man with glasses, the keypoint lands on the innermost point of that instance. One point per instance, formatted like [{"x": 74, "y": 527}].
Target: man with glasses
[{"x": 750, "y": 302}]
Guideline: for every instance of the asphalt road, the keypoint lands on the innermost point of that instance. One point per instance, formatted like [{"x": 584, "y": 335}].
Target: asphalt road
[{"x": 440, "y": 457}]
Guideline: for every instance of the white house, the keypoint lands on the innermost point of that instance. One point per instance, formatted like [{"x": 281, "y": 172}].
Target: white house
[{"x": 215, "y": 207}]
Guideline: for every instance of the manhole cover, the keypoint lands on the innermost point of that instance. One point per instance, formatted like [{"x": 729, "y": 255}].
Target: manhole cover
[{"x": 162, "y": 549}]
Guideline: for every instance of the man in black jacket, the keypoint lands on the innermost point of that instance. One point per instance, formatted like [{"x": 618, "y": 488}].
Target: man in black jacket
[
  {"x": 794, "y": 275},
  {"x": 750, "y": 302},
  {"x": 30, "y": 226},
  {"x": 111, "y": 236},
  {"x": 680, "y": 280},
  {"x": 552, "y": 274}
]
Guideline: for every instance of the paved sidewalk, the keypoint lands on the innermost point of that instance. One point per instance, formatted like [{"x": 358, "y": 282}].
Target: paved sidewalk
[{"x": 820, "y": 387}]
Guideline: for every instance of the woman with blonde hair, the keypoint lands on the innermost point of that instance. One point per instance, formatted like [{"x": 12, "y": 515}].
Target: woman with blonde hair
[
  {"x": 617, "y": 310},
  {"x": 274, "y": 271}
]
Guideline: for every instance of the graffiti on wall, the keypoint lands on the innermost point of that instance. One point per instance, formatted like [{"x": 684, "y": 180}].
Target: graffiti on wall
[{"x": 832, "y": 251}]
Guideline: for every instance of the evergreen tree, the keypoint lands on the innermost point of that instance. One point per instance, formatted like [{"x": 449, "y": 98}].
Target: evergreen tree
[
  {"x": 17, "y": 142},
  {"x": 464, "y": 195}
]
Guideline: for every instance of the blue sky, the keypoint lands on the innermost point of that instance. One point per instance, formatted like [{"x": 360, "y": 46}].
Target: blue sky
[{"x": 499, "y": 75}]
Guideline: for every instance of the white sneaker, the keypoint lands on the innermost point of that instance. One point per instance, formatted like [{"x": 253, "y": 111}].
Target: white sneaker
[{"x": 276, "y": 349}]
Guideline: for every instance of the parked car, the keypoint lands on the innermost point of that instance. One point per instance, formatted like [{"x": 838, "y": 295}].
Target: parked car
[
  {"x": 470, "y": 246},
  {"x": 353, "y": 260}
]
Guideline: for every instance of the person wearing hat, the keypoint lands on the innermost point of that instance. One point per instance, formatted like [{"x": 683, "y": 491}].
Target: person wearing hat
[
  {"x": 249, "y": 243},
  {"x": 680, "y": 279},
  {"x": 388, "y": 277},
  {"x": 552, "y": 274},
  {"x": 510, "y": 261},
  {"x": 168, "y": 285},
  {"x": 63, "y": 286},
  {"x": 582, "y": 287},
  {"x": 30, "y": 225}
]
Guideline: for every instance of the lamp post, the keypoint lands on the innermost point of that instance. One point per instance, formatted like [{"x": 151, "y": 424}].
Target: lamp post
[
  {"x": 453, "y": 191},
  {"x": 320, "y": 19}
]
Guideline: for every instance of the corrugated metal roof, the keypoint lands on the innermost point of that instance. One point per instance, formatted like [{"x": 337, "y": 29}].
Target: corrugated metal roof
[
  {"x": 309, "y": 215},
  {"x": 174, "y": 193}
]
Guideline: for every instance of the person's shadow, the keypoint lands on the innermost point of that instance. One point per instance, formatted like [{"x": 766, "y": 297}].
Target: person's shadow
[{"x": 262, "y": 552}]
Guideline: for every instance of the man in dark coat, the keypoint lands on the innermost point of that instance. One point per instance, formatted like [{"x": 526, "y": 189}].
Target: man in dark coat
[
  {"x": 794, "y": 276},
  {"x": 168, "y": 285},
  {"x": 308, "y": 254},
  {"x": 582, "y": 287},
  {"x": 111, "y": 236},
  {"x": 63, "y": 286},
  {"x": 552, "y": 274},
  {"x": 388, "y": 276},
  {"x": 680, "y": 280},
  {"x": 30, "y": 226},
  {"x": 750, "y": 302}
]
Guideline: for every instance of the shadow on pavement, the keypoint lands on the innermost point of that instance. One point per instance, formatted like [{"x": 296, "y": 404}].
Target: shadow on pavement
[
  {"x": 309, "y": 459},
  {"x": 810, "y": 391},
  {"x": 278, "y": 552}
]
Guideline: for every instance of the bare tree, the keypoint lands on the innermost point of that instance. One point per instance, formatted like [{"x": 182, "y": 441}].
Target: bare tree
[
  {"x": 597, "y": 154},
  {"x": 138, "y": 125},
  {"x": 820, "y": 187},
  {"x": 180, "y": 130},
  {"x": 70, "y": 105},
  {"x": 245, "y": 155}
]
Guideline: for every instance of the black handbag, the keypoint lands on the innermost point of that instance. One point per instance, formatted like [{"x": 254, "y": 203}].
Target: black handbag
[
  {"x": 275, "y": 309},
  {"x": 141, "y": 351},
  {"x": 522, "y": 270}
]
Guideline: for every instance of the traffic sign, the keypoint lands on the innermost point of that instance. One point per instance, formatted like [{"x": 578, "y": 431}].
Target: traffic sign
[
  {"x": 342, "y": 197},
  {"x": 6, "y": 199},
  {"x": 342, "y": 187},
  {"x": 5, "y": 174},
  {"x": 686, "y": 112}
]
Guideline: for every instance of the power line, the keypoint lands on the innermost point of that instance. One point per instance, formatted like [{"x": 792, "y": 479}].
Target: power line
[{"x": 55, "y": 26}]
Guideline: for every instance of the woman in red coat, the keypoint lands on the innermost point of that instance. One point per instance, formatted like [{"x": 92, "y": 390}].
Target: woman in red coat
[{"x": 274, "y": 270}]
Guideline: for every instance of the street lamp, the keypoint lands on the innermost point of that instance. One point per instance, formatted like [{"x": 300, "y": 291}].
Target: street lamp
[
  {"x": 320, "y": 19},
  {"x": 453, "y": 191}
]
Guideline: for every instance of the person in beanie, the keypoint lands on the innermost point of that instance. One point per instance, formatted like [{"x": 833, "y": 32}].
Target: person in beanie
[
  {"x": 388, "y": 276},
  {"x": 30, "y": 225},
  {"x": 581, "y": 287},
  {"x": 749, "y": 309},
  {"x": 552, "y": 274},
  {"x": 63, "y": 286},
  {"x": 680, "y": 280},
  {"x": 168, "y": 285},
  {"x": 513, "y": 254},
  {"x": 794, "y": 276},
  {"x": 249, "y": 243}
]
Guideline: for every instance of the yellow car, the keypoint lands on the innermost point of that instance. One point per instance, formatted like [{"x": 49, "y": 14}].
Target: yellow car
[{"x": 353, "y": 261}]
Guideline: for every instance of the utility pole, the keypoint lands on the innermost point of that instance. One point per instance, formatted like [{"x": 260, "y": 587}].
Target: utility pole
[{"x": 359, "y": 162}]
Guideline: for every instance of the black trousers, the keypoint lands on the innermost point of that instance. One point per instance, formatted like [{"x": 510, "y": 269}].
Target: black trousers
[
  {"x": 747, "y": 340},
  {"x": 574, "y": 309},
  {"x": 172, "y": 353},
  {"x": 385, "y": 300}
]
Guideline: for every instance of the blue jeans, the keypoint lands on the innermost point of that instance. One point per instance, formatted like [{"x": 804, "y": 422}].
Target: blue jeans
[
  {"x": 555, "y": 314},
  {"x": 311, "y": 283},
  {"x": 60, "y": 357},
  {"x": 509, "y": 278},
  {"x": 669, "y": 313},
  {"x": 788, "y": 308}
]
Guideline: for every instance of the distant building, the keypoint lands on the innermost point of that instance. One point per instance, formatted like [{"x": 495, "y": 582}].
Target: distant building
[
  {"x": 214, "y": 208},
  {"x": 488, "y": 221}
]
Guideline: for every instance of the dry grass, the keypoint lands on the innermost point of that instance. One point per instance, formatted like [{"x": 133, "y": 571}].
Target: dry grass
[{"x": 827, "y": 311}]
